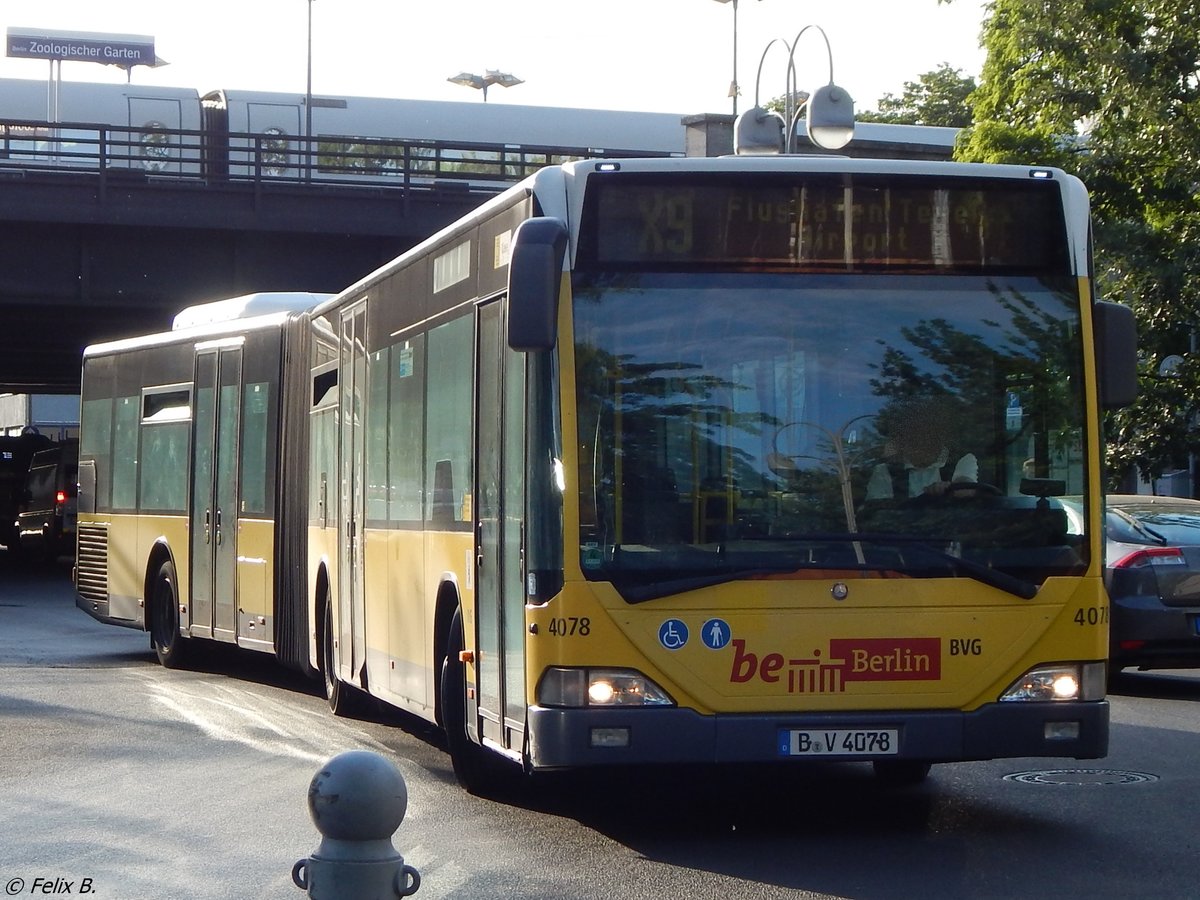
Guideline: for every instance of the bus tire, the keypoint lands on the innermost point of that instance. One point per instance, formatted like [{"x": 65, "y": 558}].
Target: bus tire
[
  {"x": 343, "y": 699},
  {"x": 469, "y": 759},
  {"x": 334, "y": 689},
  {"x": 169, "y": 645},
  {"x": 901, "y": 772}
]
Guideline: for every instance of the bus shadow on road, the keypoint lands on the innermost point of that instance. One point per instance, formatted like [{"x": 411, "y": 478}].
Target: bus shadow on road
[
  {"x": 226, "y": 660},
  {"x": 1174, "y": 684},
  {"x": 708, "y": 799},
  {"x": 832, "y": 828}
]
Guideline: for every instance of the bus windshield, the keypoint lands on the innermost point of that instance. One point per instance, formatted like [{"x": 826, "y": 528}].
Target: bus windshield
[{"x": 771, "y": 424}]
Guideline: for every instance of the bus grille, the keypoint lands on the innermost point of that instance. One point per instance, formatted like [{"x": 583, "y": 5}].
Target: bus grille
[{"x": 91, "y": 578}]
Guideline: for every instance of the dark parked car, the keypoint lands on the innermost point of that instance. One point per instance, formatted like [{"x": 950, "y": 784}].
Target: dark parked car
[
  {"x": 1153, "y": 577},
  {"x": 46, "y": 514},
  {"x": 15, "y": 454}
]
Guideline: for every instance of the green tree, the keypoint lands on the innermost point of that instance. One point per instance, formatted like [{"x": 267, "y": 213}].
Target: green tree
[
  {"x": 1108, "y": 89},
  {"x": 935, "y": 98}
]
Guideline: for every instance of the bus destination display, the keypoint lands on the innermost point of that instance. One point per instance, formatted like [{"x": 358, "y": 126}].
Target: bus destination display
[{"x": 830, "y": 224}]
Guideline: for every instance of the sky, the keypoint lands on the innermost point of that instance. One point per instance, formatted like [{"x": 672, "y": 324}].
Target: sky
[{"x": 653, "y": 55}]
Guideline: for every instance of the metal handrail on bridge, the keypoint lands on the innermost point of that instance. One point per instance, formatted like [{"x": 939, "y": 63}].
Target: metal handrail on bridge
[{"x": 271, "y": 158}]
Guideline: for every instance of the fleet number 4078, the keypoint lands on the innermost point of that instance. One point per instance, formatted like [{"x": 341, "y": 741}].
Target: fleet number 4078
[
  {"x": 573, "y": 625},
  {"x": 1091, "y": 615}
]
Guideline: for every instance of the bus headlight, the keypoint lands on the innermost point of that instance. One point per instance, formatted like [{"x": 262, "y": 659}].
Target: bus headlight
[
  {"x": 599, "y": 687},
  {"x": 1062, "y": 681}
]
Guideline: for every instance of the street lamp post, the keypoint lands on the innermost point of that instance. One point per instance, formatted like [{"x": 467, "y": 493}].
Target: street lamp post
[
  {"x": 830, "y": 119},
  {"x": 734, "y": 89},
  {"x": 308, "y": 98},
  {"x": 483, "y": 82},
  {"x": 733, "y": 85}
]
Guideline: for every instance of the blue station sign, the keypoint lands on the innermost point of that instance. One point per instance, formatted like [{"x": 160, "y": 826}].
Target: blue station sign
[{"x": 125, "y": 50}]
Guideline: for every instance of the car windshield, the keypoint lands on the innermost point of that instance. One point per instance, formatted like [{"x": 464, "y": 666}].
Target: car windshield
[{"x": 748, "y": 425}]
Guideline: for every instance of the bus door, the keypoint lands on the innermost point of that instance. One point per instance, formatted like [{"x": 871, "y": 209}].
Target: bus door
[
  {"x": 500, "y": 512},
  {"x": 352, "y": 385},
  {"x": 214, "y": 492}
]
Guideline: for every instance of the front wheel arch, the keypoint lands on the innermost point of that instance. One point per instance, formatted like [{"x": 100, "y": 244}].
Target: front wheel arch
[
  {"x": 320, "y": 601},
  {"x": 170, "y": 646},
  {"x": 160, "y": 553},
  {"x": 344, "y": 699},
  {"x": 446, "y": 608},
  {"x": 473, "y": 767}
]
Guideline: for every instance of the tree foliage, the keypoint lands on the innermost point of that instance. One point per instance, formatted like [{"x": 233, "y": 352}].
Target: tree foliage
[
  {"x": 935, "y": 98},
  {"x": 1109, "y": 90}
]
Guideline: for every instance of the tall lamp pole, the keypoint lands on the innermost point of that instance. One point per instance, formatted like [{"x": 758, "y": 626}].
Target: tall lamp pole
[
  {"x": 734, "y": 90},
  {"x": 308, "y": 89},
  {"x": 733, "y": 84}
]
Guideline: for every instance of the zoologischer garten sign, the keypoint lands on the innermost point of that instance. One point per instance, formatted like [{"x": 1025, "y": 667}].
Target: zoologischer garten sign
[{"x": 125, "y": 50}]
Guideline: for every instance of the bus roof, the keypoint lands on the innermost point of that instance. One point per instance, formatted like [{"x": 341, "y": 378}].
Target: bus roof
[
  {"x": 245, "y": 307},
  {"x": 222, "y": 317},
  {"x": 552, "y": 187}
]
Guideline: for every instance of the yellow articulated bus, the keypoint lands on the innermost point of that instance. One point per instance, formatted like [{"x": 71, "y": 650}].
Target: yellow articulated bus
[
  {"x": 188, "y": 451},
  {"x": 689, "y": 460}
]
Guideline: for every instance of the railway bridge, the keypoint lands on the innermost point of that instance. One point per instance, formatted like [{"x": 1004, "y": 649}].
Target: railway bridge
[
  {"x": 93, "y": 250},
  {"x": 93, "y": 257},
  {"x": 99, "y": 241}
]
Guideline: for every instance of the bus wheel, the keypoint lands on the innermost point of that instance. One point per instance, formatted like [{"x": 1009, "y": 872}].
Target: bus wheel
[
  {"x": 169, "y": 645},
  {"x": 469, "y": 759},
  {"x": 341, "y": 696},
  {"x": 901, "y": 772}
]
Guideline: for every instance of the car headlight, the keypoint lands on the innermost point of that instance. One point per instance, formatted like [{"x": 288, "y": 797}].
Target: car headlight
[
  {"x": 599, "y": 687},
  {"x": 1058, "y": 682}
]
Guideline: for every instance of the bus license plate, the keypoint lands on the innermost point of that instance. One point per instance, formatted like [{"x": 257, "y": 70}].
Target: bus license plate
[{"x": 833, "y": 742}]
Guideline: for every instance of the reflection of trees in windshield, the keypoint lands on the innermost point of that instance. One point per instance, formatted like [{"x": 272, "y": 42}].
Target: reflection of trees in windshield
[
  {"x": 735, "y": 423},
  {"x": 1011, "y": 398},
  {"x": 655, "y": 447}
]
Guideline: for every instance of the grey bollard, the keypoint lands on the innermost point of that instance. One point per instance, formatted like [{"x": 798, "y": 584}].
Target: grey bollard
[{"x": 357, "y": 801}]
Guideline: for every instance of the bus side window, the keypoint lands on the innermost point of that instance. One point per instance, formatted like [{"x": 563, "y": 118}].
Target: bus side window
[
  {"x": 443, "y": 493},
  {"x": 322, "y": 440}
]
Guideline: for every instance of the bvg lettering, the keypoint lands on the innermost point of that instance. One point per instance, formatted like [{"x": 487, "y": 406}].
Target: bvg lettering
[{"x": 966, "y": 646}]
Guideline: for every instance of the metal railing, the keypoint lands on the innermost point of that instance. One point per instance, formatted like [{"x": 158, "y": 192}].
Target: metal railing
[{"x": 220, "y": 157}]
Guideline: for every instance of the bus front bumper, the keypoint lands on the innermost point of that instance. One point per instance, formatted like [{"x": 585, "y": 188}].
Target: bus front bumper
[{"x": 570, "y": 738}]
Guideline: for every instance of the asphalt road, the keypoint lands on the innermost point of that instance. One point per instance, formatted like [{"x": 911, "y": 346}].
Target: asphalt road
[{"x": 136, "y": 782}]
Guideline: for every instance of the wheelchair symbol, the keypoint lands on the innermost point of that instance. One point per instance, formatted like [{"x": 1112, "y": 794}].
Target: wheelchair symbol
[{"x": 673, "y": 634}]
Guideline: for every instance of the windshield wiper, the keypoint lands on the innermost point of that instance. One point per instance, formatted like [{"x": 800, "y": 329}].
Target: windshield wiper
[
  {"x": 652, "y": 590},
  {"x": 1019, "y": 587}
]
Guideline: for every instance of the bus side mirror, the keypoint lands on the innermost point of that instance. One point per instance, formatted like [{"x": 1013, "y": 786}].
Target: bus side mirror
[
  {"x": 534, "y": 277},
  {"x": 1116, "y": 359}
]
